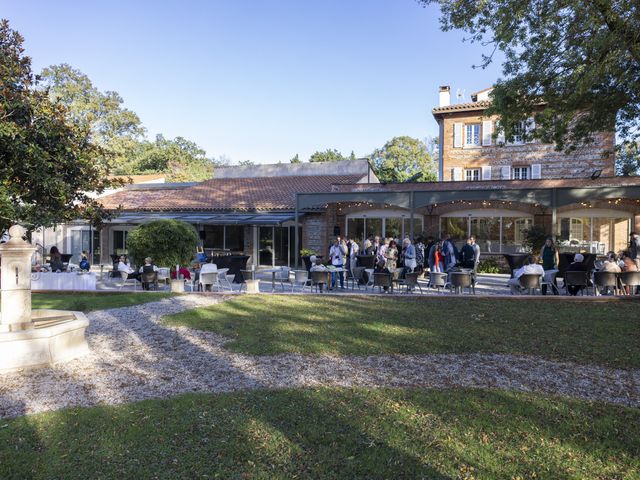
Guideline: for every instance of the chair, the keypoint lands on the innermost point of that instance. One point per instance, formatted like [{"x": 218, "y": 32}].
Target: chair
[
  {"x": 356, "y": 277},
  {"x": 284, "y": 276},
  {"x": 300, "y": 277},
  {"x": 164, "y": 275},
  {"x": 438, "y": 280},
  {"x": 369, "y": 273},
  {"x": 320, "y": 278},
  {"x": 411, "y": 281},
  {"x": 223, "y": 281},
  {"x": 382, "y": 280},
  {"x": 631, "y": 280},
  {"x": 531, "y": 282},
  {"x": 605, "y": 280},
  {"x": 551, "y": 283},
  {"x": 460, "y": 281},
  {"x": 125, "y": 278},
  {"x": 149, "y": 278},
  {"x": 576, "y": 279},
  {"x": 208, "y": 278}
]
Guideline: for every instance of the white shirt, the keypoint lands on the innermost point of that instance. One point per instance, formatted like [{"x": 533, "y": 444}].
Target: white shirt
[
  {"x": 124, "y": 267},
  {"x": 337, "y": 255},
  {"x": 533, "y": 269}
]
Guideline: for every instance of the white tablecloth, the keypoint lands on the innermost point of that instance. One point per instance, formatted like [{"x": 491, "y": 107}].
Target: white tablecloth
[{"x": 63, "y": 281}]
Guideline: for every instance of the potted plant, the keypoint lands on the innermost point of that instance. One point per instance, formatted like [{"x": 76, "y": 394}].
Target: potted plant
[
  {"x": 306, "y": 255},
  {"x": 170, "y": 243}
]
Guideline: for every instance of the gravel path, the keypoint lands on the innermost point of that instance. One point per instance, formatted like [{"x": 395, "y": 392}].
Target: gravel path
[{"x": 134, "y": 357}]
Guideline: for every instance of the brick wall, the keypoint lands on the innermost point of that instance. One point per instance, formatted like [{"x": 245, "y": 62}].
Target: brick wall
[{"x": 580, "y": 163}]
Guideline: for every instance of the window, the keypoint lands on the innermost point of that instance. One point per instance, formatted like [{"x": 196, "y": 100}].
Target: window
[
  {"x": 518, "y": 132},
  {"x": 120, "y": 242},
  {"x": 472, "y": 174},
  {"x": 472, "y": 138},
  {"x": 520, "y": 173}
]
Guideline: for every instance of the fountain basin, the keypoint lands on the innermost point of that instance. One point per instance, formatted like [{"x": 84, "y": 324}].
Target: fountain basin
[{"x": 56, "y": 336}]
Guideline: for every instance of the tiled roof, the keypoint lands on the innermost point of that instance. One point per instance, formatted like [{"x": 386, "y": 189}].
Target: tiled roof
[
  {"x": 462, "y": 107},
  {"x": 262, "y": 193}
]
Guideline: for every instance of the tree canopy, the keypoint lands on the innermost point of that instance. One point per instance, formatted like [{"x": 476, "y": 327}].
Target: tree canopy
[
  {"x": 47, "y": 164},
  {"x": 581, "y": 60},
  {"x": 119, "y": 131},
  {"x": 330, "y": 155},
  {"x": 168, "y": 242},
  {"x": 404, "y": 158}
]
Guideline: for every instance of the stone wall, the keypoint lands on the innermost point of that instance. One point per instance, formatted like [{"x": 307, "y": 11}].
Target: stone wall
[{"x": 579, "y": 164}]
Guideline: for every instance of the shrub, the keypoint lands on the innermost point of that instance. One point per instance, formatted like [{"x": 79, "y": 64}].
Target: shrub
[
  {"x": 534, "y": 239},
  {"x": 490, "y": 265},
  {"x": 306, "y": 252},
  {"x": 168, "y": 242}
]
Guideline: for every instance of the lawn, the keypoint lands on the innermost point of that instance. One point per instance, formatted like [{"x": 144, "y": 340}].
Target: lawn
[
  {"x": 606, "y": 333},
  {"x": 329, "y": 433},
  {"x": 86, "y": 302}
]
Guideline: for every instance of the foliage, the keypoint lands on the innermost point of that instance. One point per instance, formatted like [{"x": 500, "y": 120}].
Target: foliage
[
  {"x": 628, "y": 160},
  {"x": 307, "y": 252},
  {"x": 88, "y": 302},
  {"x": 490, "y": 265},
  {"x": 337, "y": 433},
  {"x": 534, "y": 239},
  {"x": 402, "y": 159},
  {"x": 580, "y": 59},
  {"x": 119, "y": 131},
  {"x": 246, "y": 163},
  {"x": 168, "y": 242},
  {"x": 47, "y": 164},
  {"x": 330, "y": 155},
  {"x": 582, "y": 332},
  {"x": 295, "y": 159}
]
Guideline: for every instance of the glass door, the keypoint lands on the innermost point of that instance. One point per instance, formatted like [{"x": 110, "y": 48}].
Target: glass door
[{"x": 265, "y": 246}]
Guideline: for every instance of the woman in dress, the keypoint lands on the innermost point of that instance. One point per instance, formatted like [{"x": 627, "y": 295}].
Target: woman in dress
[{"x": 391, "y": 255}]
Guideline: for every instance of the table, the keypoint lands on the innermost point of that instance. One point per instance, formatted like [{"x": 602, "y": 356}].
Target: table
[
  {"x": 63, "y": 281},
  {"x": 335, "y": 270},
  {"x": 273, "y": 272}
]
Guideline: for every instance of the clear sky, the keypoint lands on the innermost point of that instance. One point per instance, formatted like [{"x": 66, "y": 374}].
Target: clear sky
[{"x": 256, "y": 79}]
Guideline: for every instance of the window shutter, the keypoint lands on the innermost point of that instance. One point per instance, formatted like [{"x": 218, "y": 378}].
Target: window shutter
[
  {"x": 486, "y": 173},
  {"x": 531, "y": 126},
  {"x": 457, "y": 174},
  {"x": 487, "y": 130},
  {"x": 536, "y": 171},
  {"x": 457, "y": 135},
  {"x": 505, "y": 172},
  {"x": 500, "y": 138}
]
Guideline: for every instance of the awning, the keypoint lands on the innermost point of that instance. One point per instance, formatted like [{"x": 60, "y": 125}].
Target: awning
[{"x": 206, "y": 218}]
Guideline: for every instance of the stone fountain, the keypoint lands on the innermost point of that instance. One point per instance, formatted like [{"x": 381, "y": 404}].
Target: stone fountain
[{"x": 32, "y": 338}]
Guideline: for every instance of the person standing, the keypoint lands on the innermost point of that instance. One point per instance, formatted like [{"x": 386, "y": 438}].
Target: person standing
[
  {"x": 450, "y": 253},
  {"x": 634, "y": 248},
  {"x": 550, "y": 262},
  {"x": 391, "y": 255},
  {"x": 354, "y": 251},
  {"x": 409, "y": 252},
  {"x": 336, "y": 254},
  {"x": 420, "y": 250}
]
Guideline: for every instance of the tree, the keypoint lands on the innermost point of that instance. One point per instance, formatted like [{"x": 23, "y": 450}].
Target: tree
[
  {"x": 581, "y": 60},
  {"x": 168, "y": 242},
  {"x": 295, "y": 159},
  {"x": 329, "y": 155},
  {"x": 47, "y": 163},
  {"x": 245, "y": 163},
  {"x": 402, "y": 159},
  {"x": 628, "y": 160}
]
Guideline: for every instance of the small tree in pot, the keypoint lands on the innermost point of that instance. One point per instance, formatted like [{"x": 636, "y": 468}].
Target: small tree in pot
[{"x": 168, "y": 242}]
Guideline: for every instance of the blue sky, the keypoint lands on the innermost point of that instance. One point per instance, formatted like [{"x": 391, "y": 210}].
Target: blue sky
[{"x": 261, "y": 80}]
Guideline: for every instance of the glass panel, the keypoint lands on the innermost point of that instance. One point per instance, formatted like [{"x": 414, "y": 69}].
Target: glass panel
[
  {"x": 355, "y": 227},
  {"x": 234, "y": 238},
  {"x": 602, "y": 236},
  {"x": 513, "y": 233},
  {"x": 456, "y": 227},
  {"x": 393, "y": 227},
  {"x": 281, "y": 245},
  {"x": 487, "y": 233},
  {"x": 97, "y": 248},
  {"x": 620, "y": 234},
  {"x": 265, "y": 245},
  {"x": 575, "y": 234},
  {"x": 292, "y": 243},
  {"x": 120, "y": 242},
  {"x": 214, "y": 236},
  {"x": 374, "y": 227}
]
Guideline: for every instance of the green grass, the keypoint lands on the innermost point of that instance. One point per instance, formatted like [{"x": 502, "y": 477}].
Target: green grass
[
  {"x": 86, "y": 302},
  {"x": 329, "y": 433},
  {"x": 606, "y": 333}
]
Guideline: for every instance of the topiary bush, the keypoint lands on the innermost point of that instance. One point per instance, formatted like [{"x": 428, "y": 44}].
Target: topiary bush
[
  {"x": 167, "y": 242},
  {"x": 534, "y": 239}
]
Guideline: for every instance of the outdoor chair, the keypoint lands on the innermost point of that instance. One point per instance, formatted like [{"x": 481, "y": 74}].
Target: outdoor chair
[
  {"x": 460, "y": 281},
  {"x": 438, "y": 280},
  {"x": 301, "y": 278},
  {"x": 125, "y": 278},
  {"x": 208, "y": 278},
  {"x": 530, "y": 282},
  {"x": 357, "y": 277},
  {"x": 382, "y": 280},
  {"x": 149, "y": 279},
  {"x": 164, "y": 276},
  {"x": 411, "y": 281},
  {"x": 551, "y": 283},
  {"x": 368, "y": 277},
  {"x": 576, "y": 279},
  {"x": 320, "y": 278},
  {"x": 631, "y": 280},
  {"x": 605, "y": 281},
  {"x": 223, "y": 281},
  {"x": 284, "y": 276}
]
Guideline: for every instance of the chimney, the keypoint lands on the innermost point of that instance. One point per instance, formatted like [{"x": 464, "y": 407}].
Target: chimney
[{"x": 445, "y": 96}]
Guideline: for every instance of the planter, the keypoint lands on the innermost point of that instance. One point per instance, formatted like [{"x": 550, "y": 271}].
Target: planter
[
  {"x": 253, "y": 286},
  {"x": 177, "y": 286}
]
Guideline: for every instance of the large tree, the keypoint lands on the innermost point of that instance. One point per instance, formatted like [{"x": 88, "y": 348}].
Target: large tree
[
  {"x": 581, "y": 59},
  {"x": 47, "y": 164},
  {"x": 404, "y": 158},
  {"x": 330, "y": 155}
]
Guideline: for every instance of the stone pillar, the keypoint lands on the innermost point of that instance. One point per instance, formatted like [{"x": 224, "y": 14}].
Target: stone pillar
[{"x": 15, "y": 278}]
